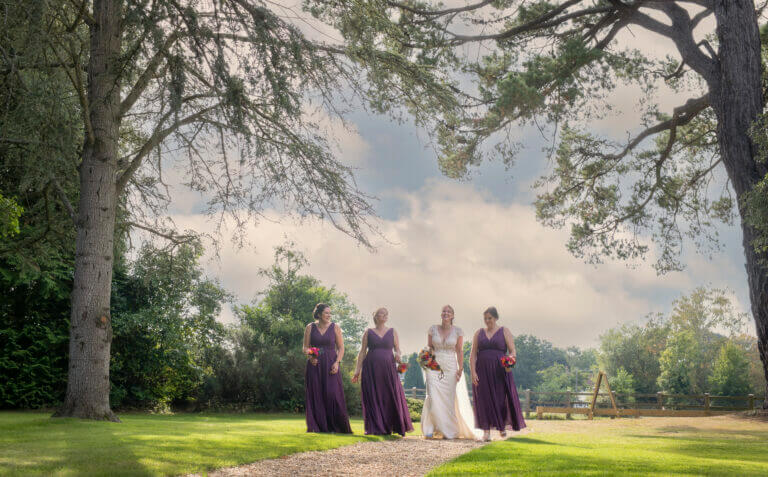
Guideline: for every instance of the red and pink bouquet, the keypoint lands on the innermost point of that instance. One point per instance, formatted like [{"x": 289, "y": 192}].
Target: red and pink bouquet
[
  {"x": 427, "y": 361},
  {"x": 313, "y": 352},
  {"x": 508, "y": 362},
  {"x": 402, "y": 367}
]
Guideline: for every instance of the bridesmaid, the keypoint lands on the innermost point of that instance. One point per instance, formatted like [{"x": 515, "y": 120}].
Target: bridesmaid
[
  {"x": 385, "y": 410},
  {"x": 494, "y": 392},
  {"x": 326, "y": 408}
]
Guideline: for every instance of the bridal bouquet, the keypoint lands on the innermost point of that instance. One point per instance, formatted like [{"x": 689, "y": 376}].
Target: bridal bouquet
[
  {"x": 402, "y": 367},
  {"x": 508, "y": 362},
  {"x": 427, "y": 361}
]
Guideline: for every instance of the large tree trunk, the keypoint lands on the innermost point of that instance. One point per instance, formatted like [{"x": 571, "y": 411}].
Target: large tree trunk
[
  {"x": 90, "y": 332},
  {"x": 737, "y": 99}
]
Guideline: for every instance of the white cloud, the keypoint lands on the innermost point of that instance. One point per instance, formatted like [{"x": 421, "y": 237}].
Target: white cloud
[{"x": 457, "y": 246}]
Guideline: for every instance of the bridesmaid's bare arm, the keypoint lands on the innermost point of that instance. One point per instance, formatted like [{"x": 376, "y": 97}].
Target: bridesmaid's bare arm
[
  {"x": 307, "y": 332},
  {"x": 473, "y": 359},
  {"x": 361, "y": 357},
  {"x": 339, "y": 350},
  {"x": 397, "y": 346},
  {"x": 460, "y": 356},
  {"x": 510, "y": 343}
]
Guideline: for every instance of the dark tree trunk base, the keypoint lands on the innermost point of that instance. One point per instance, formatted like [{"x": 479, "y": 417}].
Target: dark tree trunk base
[{"x": 92, "y": 414}]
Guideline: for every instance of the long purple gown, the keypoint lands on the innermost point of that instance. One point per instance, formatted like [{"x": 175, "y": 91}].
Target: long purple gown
[
  {"x": 495, "y": 395},
  {"x": 326, "y": 408},
  {"x": 385, "y": 410}
]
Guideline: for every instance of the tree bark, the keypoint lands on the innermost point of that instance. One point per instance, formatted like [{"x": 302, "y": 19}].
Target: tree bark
[
  {"x": 737, "y": 99},
  {"x": 90, "y": 332}
]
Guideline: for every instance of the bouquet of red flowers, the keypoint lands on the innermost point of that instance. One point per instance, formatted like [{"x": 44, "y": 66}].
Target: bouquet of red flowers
[
  {"x": 313, "y": 352},
  {"x": 427, "y": 361},
  {"x": 402, "y": 367},
  {"x": 508, "y": 362}
]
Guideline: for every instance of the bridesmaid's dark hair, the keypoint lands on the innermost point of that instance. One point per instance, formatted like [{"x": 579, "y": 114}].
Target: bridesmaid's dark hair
[
  {"x": 319, "y": 309},
  {"x": 492, "y": 311}
]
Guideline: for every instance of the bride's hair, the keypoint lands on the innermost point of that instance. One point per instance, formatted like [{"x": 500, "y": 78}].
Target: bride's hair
[
  {"x": 452, "y": 311},
  {"x": 492, "y": 311},
  {"x": 376, "y": 313}
]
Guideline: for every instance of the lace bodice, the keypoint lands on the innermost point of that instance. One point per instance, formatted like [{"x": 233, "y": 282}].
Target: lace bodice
[{"x": 449, "y": 344}]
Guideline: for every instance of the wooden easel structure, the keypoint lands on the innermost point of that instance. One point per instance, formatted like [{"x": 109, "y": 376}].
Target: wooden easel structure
[{"x": 600, "y": 376}]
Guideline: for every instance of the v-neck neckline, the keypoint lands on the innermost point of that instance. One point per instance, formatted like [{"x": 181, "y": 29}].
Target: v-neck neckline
[
  {"x": 326, "y": 330},
  {"x": 440, "y": 334},
  {"x": 494, "y": 333},
  {"x": 381, "y": 337}
]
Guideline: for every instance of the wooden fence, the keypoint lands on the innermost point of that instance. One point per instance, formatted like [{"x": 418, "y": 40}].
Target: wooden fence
[{"x": 657, "y": 404}]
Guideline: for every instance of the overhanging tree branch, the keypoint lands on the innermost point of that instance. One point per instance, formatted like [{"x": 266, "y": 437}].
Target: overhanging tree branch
[{"x": 157, "y": 137}]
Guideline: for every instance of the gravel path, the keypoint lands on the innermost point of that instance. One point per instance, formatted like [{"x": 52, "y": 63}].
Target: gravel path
[{"x": 411, "y": 456}]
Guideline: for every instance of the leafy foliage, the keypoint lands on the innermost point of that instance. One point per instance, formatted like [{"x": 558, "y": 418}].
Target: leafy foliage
[
  {"x": 165, "y": 329},
  {"x": 728, "y": 377},
  {"x": 413, "y": 377},
  {"x": 534, "y": 355},
  {"x": 264, "y": 365}
]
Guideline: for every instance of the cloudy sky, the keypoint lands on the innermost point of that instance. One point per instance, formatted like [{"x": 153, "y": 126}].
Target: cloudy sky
[{"x": 469, "y": 244}]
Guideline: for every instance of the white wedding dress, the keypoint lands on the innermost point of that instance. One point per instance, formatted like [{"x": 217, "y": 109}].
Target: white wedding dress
[{"x": 447, "y": 408}]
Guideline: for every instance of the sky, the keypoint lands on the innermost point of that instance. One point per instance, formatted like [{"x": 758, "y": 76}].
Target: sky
[{"x": 470, "y": 244}]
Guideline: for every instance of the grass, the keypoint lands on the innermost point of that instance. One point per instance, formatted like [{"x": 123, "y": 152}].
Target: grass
[
  {"x": 722, "y": 445},
  {"x": 34, "y": 444}
]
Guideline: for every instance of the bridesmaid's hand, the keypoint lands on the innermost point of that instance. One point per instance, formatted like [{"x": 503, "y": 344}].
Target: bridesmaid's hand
[
  {"x": 335, "y": 368},
  {"x": 475, "y": 380},
  {"x": 356, "y": 377},
  {"x": 313, "y": 360}
]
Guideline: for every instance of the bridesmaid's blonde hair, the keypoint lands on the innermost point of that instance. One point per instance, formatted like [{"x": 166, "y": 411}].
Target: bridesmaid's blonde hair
[{"x": 376, "y": 313}]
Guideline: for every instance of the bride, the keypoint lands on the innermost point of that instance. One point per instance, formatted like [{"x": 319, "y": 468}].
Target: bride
[{"x": 446, "y": 407}]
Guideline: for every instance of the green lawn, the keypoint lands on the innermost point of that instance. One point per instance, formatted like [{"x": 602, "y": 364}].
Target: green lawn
[
  {"x": 34, "y": 444},
  {"x": 649, "y": 446}
]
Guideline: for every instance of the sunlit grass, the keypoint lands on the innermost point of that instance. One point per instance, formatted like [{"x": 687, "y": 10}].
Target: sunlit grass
[
  {"x": 34, "y": 444},
  {"x": 648, "y": 446}
]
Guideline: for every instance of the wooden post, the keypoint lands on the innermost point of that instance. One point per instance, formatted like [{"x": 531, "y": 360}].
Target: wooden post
[
  {"x": 706, "y": 404},
  {"x": 613, "y": 398},
  {"x": 594, "y": 394},
  {"x": 751, "y": 402},
  {"x": 568, "y": 414},
  {"x": 527, "y": 403},
  {"x": 660, "y": 399}
]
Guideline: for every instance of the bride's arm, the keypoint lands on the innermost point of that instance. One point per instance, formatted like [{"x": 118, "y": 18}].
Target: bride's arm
[
  {"x": 397, "y": 346},
  {"x": 429, "y": 339},
  {"x": 460, "y": 356},
  {"x": 473, "y": 359},
  {"x": 361, "y": 356}
]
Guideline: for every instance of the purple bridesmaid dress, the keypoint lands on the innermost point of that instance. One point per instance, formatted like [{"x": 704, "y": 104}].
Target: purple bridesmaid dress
[
  {"x": 326, "y": 408},
  {"x": 385, "y": 410},
  {"x": 495, "y": 395}
]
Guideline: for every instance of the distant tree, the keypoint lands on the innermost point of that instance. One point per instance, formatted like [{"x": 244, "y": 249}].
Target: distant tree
[
  {"x": 729, "y": 372},
  {"x": 680, "y": 364},
  {"x": 165, "y": 323},
  {"x": 623, "y": 383},
  {"x": 264, "y": 365},
  {"x": 754, "y": 366},
  {"x": 637, "y": 349},
  {"x": 413, "y": 377},
  {"x": 555, "y": 378},
  {"x": 534, "y": 355}
]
